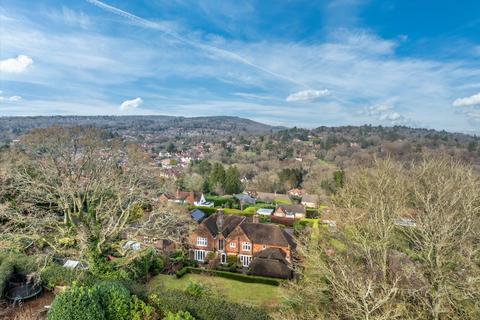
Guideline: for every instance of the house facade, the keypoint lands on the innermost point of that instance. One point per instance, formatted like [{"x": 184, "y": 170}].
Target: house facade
[{"x": 242, "y": 237}]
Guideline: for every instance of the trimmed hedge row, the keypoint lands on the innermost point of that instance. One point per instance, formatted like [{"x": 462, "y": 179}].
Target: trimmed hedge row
[
  {"x": 204, "y": 307},
  {"x": 229, "y": 275}
]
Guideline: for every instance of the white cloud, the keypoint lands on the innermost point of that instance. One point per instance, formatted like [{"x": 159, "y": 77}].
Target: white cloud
[
  {"x": 11, "y": 99},
  {"x": 131, "y": 104},
  {"x": 467, "y": 101},
  {"x": 15, "y": 98},
  {"x": 15, "y": 65},
  {"x": 308, "y": 95}
]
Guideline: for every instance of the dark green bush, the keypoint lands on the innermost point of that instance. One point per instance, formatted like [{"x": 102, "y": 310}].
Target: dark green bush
[
  {"x": 77, "y": 303},
  {"x": 114, "y": 299},
  {"x": 146, "y": 263},
  {"x": 6, "y": 270},
  {"x": 312, "y": 213},
  {"x": 105, "y": 300},
  {"x": 180, "y": 273},
  {"x": 205, "y": 307}
]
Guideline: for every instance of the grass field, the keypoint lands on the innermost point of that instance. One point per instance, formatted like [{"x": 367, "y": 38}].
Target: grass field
[{"x": 247, "y": 293}]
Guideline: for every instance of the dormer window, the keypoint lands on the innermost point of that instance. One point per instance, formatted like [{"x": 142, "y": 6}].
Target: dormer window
[{"x": 202, "y": 241}]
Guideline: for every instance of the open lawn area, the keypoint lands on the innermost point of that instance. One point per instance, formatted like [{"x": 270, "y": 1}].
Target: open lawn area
[{"x": 248, "y": 293}]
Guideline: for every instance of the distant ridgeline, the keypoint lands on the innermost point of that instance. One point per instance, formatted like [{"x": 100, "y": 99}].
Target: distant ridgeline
[{"x": 12, "y": 127}]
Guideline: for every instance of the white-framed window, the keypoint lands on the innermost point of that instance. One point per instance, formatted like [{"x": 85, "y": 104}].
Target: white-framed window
[
  {"x": 264, "y": 247},
  {"x": 232, "y": 245},
  {"x": 245, "y": 260},
  {"x": 221, "y": 244},
  {"x": 246, "y": 246},
  {"x": 202, "y": 241},
  {"x": 199, "y": 255}
]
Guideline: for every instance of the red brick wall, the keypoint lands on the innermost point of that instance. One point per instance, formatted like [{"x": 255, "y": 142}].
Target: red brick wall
[{"x": 202, "y": 232}]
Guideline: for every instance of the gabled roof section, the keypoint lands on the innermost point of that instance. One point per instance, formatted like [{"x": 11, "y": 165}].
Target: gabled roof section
[
  {"x": 230, "y": 222},
  {"x": 295, "y": 208},
  {"x": 265, "y": 234}
]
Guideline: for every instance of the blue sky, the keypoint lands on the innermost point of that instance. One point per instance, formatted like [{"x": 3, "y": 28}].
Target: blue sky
[{"x": 302, "y": 63}]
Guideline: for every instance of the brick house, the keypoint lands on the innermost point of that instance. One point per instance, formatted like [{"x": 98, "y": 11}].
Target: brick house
[
  {"x": 291, "y": 211},
  {"x": 230, "y": 235}
]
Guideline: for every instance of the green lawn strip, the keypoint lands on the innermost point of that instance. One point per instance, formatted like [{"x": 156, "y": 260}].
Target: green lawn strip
[{"x": 247, "y": 293}]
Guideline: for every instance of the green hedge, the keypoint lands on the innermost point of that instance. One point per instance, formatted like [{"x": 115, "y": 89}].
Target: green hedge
[
  {"x": 204, "y": 307},
  {"x": 238, "y": 212},
  {"x": 180, "y": 273},
  {"x": 236, "y": 276},
  {"x": 207, "y": 210}
]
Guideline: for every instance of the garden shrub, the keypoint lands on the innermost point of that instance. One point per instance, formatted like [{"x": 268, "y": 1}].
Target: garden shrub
[
  {"x": 77, "y": 303},
  {"x": 57, "y": 275},
  {"x": 180, "y": 273},
  {"x": 139, "y": 310},
  {"x": 104, "y": 301},
  {"x": 146, "y": 263},
  {"x": 180, "y": 315},
  {"x": 195, "y": 289},
  {"x": 205, "y": 307},
  {"x": 114, "y": 299},
  {"x": 312, "y": 213},
  {"x": 250, "y": 210},
  {"x": 207, "y": 210},
  {"x": 6, "y": 270}
]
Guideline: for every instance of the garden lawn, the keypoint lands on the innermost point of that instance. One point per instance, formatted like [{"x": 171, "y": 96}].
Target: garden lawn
[{"x": 247, "y": 293}]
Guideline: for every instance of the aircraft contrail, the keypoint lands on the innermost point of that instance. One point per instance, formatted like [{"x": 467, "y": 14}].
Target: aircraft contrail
[{"x": 218, "y": 51}]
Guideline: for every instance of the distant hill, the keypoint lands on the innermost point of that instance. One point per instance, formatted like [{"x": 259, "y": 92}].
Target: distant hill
[{"x": 10, "y": 127}]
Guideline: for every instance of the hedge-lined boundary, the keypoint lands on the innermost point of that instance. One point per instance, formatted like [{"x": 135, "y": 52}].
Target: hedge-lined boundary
[{"x": 229, "y": 275}]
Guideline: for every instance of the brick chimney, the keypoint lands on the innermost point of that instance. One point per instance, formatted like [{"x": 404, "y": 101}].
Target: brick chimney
[
  {"x": 220, "y": 220},
  {"x": 256, "y": 218}
]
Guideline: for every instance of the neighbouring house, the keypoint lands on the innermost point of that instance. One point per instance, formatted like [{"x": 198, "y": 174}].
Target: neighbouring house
[
  {"x": 310, "y": 201},
  {"x": 202, "y": 202},
  {"x": 244, "y": 199},
  {"x": 302, "y": 197},
  {"x": 197, "y": 215},
  {"x": 296, "y": 192},
  {"x": 243, "y": 237},
  {"x": 185, "y": 197},
  {"x": 291, "y": 211},
  {"x": 251, "y": 193},
  {"x": 271, "y": 262},
  {"x": 265, "y": 211}
]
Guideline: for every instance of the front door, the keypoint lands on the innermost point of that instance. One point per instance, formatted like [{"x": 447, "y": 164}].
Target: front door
[{"x": 223, "y": 258}]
